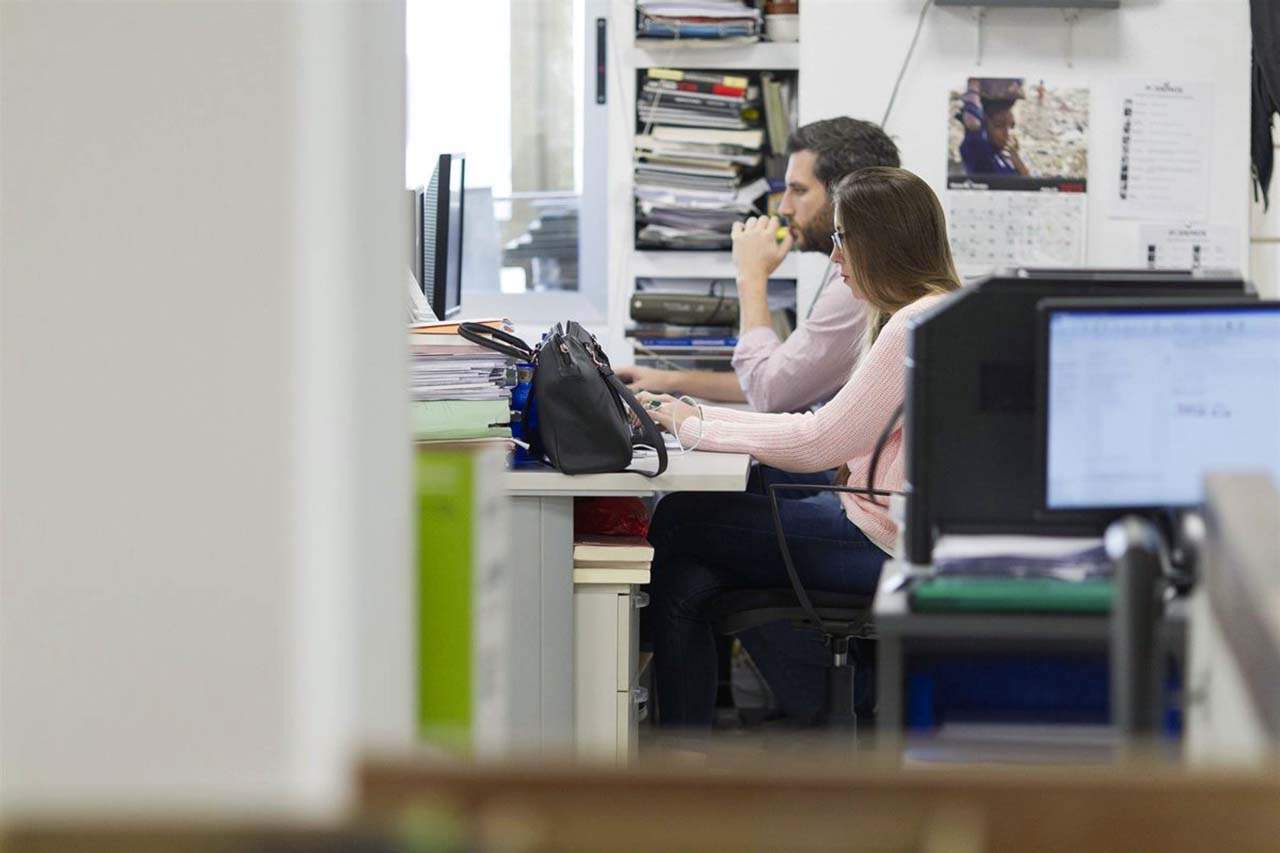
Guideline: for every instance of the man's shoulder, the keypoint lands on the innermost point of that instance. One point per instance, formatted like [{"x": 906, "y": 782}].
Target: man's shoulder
[{"x": 836, "y": 303}]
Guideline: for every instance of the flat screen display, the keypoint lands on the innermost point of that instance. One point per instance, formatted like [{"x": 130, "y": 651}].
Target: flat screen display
[
  {"x": 453, "y": 266},
  {"x": 1141, "y": 403}
]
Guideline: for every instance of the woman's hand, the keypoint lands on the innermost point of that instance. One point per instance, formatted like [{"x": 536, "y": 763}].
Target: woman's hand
[{"x": 666, "y": 411}]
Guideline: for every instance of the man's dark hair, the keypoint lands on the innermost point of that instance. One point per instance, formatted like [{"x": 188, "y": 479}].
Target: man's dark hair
[{"x": 842, "y": 146}]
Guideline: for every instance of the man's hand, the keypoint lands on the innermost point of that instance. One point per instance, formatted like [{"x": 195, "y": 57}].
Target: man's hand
[
  {"x": 756, "y": 250},
  {"x": 645, "y": 378}
]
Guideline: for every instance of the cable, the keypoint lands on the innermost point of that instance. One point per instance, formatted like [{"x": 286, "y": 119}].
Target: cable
[
  {"x": 822, "y": 286},
  {"x": 875, "y": 454},
  {"x": 924, "y": 10},
  {"x": 802, "y": 596}
]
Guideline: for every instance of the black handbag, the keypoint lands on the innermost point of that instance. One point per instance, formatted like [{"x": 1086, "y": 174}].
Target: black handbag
[{"x": 580, "y": 406}]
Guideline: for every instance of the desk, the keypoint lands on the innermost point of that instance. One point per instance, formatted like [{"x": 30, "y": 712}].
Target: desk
[
  {"x": 540, "y": 693},
  {"x": 902, "y": 633}
]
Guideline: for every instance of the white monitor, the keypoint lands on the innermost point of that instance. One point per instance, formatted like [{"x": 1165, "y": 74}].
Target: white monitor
[{"x": 1141, "y": 401}]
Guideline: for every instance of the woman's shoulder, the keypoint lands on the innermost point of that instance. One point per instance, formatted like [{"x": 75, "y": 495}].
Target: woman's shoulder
[
  {"x": 907, "y": 313},
  {"x": 894, "y": 333}
]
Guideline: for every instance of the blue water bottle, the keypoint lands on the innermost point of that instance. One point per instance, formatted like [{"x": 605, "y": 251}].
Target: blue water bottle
[{"x": 524, "y": 416}]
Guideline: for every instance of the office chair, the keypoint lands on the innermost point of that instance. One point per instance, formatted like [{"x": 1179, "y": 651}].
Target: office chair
[
  {"x": 839, "y": 617},
  {"x": 1145, "y": 568}
]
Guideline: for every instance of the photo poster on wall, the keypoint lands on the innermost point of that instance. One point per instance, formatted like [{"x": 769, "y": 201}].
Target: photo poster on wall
[{"x": 1017, "y": 173}]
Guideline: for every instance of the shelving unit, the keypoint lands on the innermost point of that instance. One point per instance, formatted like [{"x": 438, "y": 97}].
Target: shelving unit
[
  {"x": 782, "y": 56},
  {"x": 630, "y": 263},
  {"x": 655, "y": 263}
]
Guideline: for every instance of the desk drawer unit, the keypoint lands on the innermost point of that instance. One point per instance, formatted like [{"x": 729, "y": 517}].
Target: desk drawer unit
[{"x": 606, "y": 650}]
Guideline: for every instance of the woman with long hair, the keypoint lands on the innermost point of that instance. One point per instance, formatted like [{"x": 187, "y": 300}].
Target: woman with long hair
[{"x": 890, "y": 242}]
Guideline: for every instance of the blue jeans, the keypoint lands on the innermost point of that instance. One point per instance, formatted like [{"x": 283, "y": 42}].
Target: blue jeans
[{"x": 706, "y": 544}]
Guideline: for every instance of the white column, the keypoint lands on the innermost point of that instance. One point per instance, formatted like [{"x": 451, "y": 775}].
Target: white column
[{"x": 204, "y": 515}]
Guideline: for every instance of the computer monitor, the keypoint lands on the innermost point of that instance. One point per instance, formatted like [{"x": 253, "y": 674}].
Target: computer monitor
[
  {"x": 438, "y": 213},
  {"x": 1139, "y": 400},
  {"x": 970, "y": 427}
]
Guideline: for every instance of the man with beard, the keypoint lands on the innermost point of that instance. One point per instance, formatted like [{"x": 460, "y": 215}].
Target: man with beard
[{"x": 817, "y": 359}]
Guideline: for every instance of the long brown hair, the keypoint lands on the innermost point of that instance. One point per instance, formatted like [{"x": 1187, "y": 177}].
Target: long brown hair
[{"x": 894, "y": 236}]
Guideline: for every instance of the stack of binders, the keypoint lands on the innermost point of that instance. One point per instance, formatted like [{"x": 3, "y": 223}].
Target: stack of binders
[
  {"x": 717, "y": 21},
  {"x": 698, "y": 157},
  {"x": 461, "y": 392},
  {"x": 692, "y": 324}
]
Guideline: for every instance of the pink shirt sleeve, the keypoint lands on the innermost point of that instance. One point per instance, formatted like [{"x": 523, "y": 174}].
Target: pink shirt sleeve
[
  {"x": 812, "y": 364},
  {"x": 841, "y": 431}
]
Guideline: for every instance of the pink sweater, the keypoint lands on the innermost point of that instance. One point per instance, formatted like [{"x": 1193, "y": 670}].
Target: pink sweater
[{"x": 844, "y": 431}]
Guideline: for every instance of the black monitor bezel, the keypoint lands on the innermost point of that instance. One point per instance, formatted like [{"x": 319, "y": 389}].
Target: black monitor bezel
[
  {"x": 1045, "y": 311},
  {"x": 444, "y": 189}
]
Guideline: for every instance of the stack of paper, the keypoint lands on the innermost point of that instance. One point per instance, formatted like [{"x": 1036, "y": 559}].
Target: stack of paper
[
  {"x": 697, "y": 158},
  {"x": 461, "y": 391},
  {"x": 717, "y": 21}
]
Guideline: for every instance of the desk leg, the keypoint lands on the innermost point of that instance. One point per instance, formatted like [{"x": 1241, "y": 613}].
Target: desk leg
[
  {"x": 541, "y": 693},
  {"x": 890, "y": 686}
]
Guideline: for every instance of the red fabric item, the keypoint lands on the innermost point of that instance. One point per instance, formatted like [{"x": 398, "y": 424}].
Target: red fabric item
[{"x": 610, "y": 517}]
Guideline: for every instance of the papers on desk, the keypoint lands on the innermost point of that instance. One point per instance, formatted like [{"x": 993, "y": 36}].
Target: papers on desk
[
  {"x": 1014, "y": 575},
  {"x": 460, "y": 390},
  {"x": 668, "y": 440},
  {"x": 1068, "y": 558}
]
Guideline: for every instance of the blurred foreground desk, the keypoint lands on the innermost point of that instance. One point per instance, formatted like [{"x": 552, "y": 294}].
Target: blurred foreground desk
[
  {"x": 905, "y": 634},
  {"x": 541, "y": 689},
  {"x": 1234, "y": 680}
]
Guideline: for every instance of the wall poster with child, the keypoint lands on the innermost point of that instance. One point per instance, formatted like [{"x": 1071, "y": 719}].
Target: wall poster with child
[{"x": 1017, "y": 173}]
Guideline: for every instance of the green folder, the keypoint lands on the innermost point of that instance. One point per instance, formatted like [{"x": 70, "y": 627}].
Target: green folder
[
  {"x": 460, "y": 419},
  {"x": 1011, "y": 595},
  {"x": 446, "y": 486}
]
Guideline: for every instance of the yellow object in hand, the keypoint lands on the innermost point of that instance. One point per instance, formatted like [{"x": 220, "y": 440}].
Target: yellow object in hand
[{"x": 782, "y": 233}]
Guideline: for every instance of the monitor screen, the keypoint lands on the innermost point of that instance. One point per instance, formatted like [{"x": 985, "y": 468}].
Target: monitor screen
[
  {"x": 453, "y": 271},
  {"x": 1141, "y": 401},
  {"x": 439, "y": 238}
]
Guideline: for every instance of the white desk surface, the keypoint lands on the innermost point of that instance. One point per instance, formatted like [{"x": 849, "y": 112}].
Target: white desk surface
[{"x": 698, "y": 471}]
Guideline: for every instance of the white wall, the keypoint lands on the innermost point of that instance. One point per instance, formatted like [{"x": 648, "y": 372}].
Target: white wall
[
  {"x": 204, "y": 475},
  {"x": 852, "y": 50}
]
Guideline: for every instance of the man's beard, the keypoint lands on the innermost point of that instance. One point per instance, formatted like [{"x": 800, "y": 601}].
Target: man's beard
[{"x": 816, "y": 235}]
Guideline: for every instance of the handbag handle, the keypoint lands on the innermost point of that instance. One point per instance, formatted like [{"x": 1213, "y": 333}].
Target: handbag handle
[
  {"x": 496, "y": 340},
  {"x": 647, "y": 427}
]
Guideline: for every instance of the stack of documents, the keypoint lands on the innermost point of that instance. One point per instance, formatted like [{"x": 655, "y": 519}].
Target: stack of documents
[
  {"x": 1016, "y": 574},
  {"x": 698, "y": 157},
  {"x": 460, "y": 391},
  {"x": 718, "y": 21}
]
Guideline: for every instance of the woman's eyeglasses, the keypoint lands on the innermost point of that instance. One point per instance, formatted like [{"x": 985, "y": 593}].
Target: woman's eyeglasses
[{"x": 837, "y": 239}]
